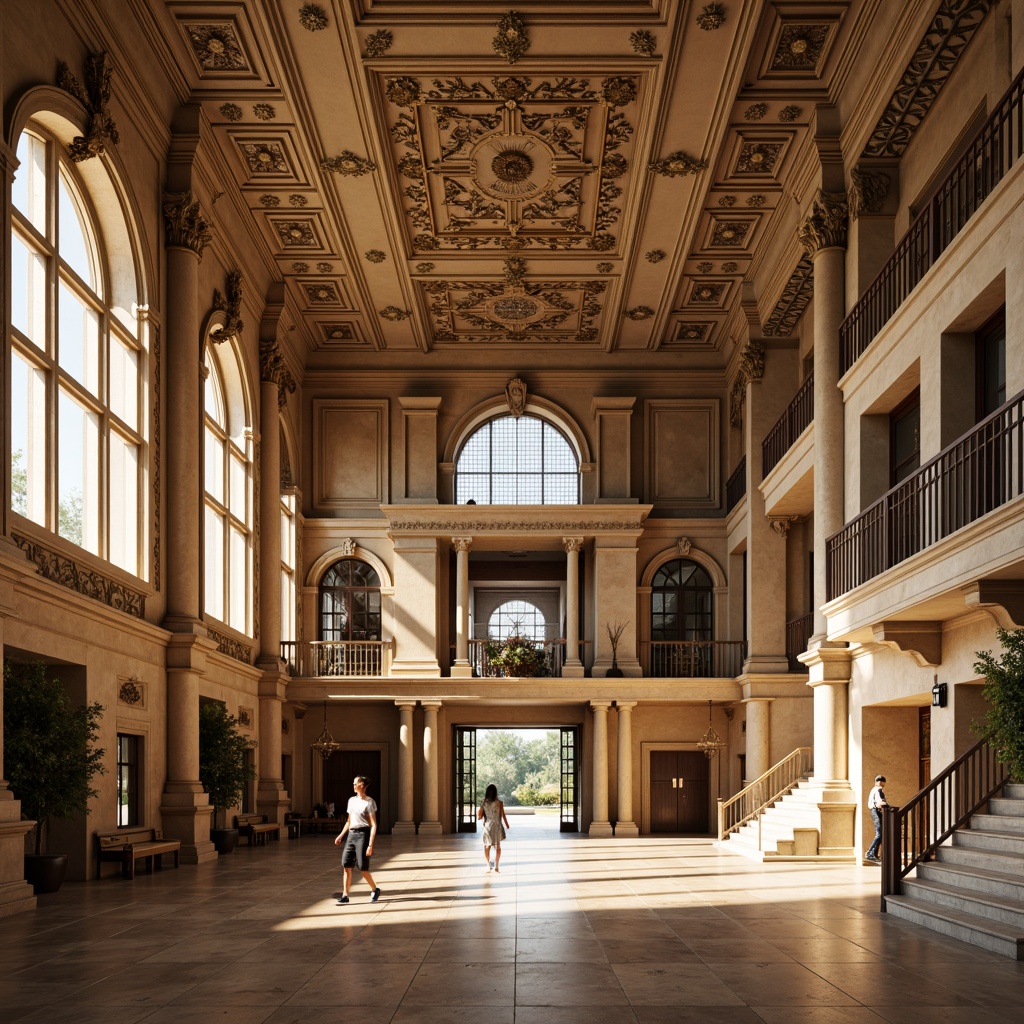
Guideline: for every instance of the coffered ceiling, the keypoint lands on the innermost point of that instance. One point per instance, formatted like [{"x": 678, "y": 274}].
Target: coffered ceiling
[{"x": 585, "y": 182}]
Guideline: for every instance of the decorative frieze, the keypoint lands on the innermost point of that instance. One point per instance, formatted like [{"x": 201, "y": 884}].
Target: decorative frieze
[
  {"x": 101, "y": 130},
  {"x": 230, "y": 304},
  {"x": 793, "y": 301},
  {"x": 677, "y": 164},
  {"x": 868, "y": 190},
  {"x": 511, "y": 42},
  {"x": 524, "y": 525},
  {"x": 184, "y": 222},
  {"x": 378, "y": 43},
  {"x": 825, "y": 225},
  {"x": 231, "y": 646},
  {"x": 348, "y": 165}
]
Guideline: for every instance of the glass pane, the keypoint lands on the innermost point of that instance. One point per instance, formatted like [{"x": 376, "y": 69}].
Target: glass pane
[
  {"x": 74, "y": 246},
  {"x": 238, "y": 503},
  {"x": 238, "y": 581},
  {"x": 28, "y": 440},
  {"x": 214, "y": 467},
  {"x": 124, "y": 382},
  {"x": 79, "y": 340},
  {"x": 215, "y": 395},
  {"x": 78, "y": 503},
  {"x": 558, "y": 455},
  {"x": 29, "y": 191},
  {"x": 124, "y": 503},
  {"x": 530, "y": 455},
  {"x": 28, "y": 292},
  {"x": 213, "y": 563}
]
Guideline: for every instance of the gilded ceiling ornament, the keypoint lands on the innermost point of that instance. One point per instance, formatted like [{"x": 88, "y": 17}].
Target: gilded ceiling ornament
[
  {"x": 375, "y": 256},
  {"x": 799, "y": 47},
  {"x": 515, "y": 396},
  {"x": 230, "y": 305},
  {"x": 425, "y": 241},
  {"x": 707, "y": 294},
  {"x": 755, "y": 111},
  {"x": 704, "y": 268},
  {"x": 619, "y": 91},
  {"x": 601, "y": 243},
  {"x": 348, "y": 164},
  {"x": 184, "y": 222},
  {"x": 730, "y": 267},
  {"x": 264, "y": 157},
  {"x": 726, "y": 200},
  {"x": 270, "y": 200},
  {"x": 424, "y": 268},
  {"x": 217, "y": 48},
  {"x": 296, "y": 233},
  {"x": 711, "y": 16},
  {"x": 300, "y": 268},
  {"x": 604, "y": 268},
  {"x": 322, "y": 294},
  {"x": 676, "y": 164},
  {"x": 655, "y": 255},
  {"x": 324, "y": 268},
  {"x": 274, "y": 370},
  {"x": 615, "y": 165},
  {"x": 758, "y": 157},
  {"x": 868, "y": 190},
  {"x": 338, "y": 332},
  {"x": 264, "y": 111},
  {"x": 296, "y": 200},
  {"x": 729, "y": 233},
  {"x": 824, "y": 227},
  {"x": 639, "y": 313},
  {"x": 378, "y": 43},
  {"x": 755, "y": 201},
  {"x": 752, "y": 361},
  {"x": 231, "y": 111},
  {"x": 312, "y": 17},
  {"x": 101, "y": 130},
  {"x": 642, "y": 43},
  {"x": 403, "y": 92},
  {"x": 511, "y": 41},
  {"x": 394, "y": 314},
  {"x": 790, "y": 113},
  {"x": 692, "y": 332}
]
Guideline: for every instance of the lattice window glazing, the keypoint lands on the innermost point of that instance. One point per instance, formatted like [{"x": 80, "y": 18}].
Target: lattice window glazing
[
  {"x": 350, "y": 602},
  {"x": 681, "y": 602}
]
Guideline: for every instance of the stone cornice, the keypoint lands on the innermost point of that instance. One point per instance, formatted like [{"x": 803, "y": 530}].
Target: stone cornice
[{"x": 539, "y": 520}]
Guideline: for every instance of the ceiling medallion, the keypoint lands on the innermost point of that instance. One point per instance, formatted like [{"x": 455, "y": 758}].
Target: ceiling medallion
[
  {"x": 692, "y": 332},
  {"x": 337, "y": 332},
  {"x": 231, "y": 111},
  {"x": 216, "y": 47},
  {"x": 729, "y": 233},
  {"x": 799, "y": 47},
  {"x": 348, "y": 164},
  {"x": 758, "y": 157},
  {"x": 655, "y": 255},
  {"x": 375, "y": 256},
  {"x": 511, "y": 41},
  {"x": 677, "y": 164},
  {"x": 639, "y": 313},
  {"x": 707, "y": 294},
  {"x": 322, "y": 294},
  {"x": 296, "y": 233},
  {"x": 312, "y": 17},
  {"x": 642, "y": 43},
  {"x": 264, "y": 157},
  {"x": 394, "y": 314},
  {"x": 378, "y": 43},
  {"x": 711, "y": 16},
  {"x": 790, "y": 113}
]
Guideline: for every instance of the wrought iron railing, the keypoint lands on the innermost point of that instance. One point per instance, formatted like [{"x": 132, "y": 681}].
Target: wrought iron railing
[
  {"x": 754, "y": 798},
  {"x": 792, "y": 423},
  {"x": 798, "y": 632},
  {"x": 973, "y": 476},
  {"x": 337, "y": 657},
  {"x": 989, "y": 157},
  {"x": 693, "y": 659},
  {"x": 912, "y": 833},
  {"x": 736, "y": 485}
]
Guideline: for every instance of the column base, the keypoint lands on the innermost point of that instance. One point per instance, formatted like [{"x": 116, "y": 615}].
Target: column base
[
  {"x": 772, "y": 664},
  {"x": 573, "y": 670},
  {"x": 273, "y": 802},
  {"x": 430, "y": 828},
  {"x": 404, "y": 828},
  {"x": 462, "y": 670},
  {"x": 16, "y": 898},
  {"x": 16, "y": 895},
  {"x": 186, "y": 816},
  {"x": 417, "y": 669},
  {"x": 626, "y": 830},
  {"x": 601, "y": 829}
]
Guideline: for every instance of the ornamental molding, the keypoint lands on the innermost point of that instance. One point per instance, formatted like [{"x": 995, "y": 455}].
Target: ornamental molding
[
  {"x": 794, "y": 300},
  {"x": 511, "y": 42},
  {"x": 348, "y": 165},
  {"x": 952, "y": 28},
  {"x": 230, "y": 304},
  {"x": 184, "y": 223},
  {"x": 515, "y": 396},
  {"x": 781, "y": 524},
  {"x": 60, "y": 569},
  {"x": 378, "y": 43},
  {"x": 101, "y": 130},
  {"x": 231, "y": 646},
  {"x": 752, "y": 361},
  {"x": 514, "y": 525},
  {"x": 132, "y": 692},
  {"x": 643, "y": 43},
  {"x": 274, "y": 370},
  {"x": 677, "y": 164},
  {"x": 867, "y": 192},
  {"x": 825, "y": 225}
]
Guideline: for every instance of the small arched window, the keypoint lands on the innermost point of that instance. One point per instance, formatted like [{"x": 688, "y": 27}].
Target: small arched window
[
  {"x": 524, "y": 461},
  {"x": 516, "y": 618},
  {"x": 350, "y": 602},
  {"x": 681, "y": 602}
]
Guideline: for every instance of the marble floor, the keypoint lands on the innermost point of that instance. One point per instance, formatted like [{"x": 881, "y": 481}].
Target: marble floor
[{"x": 572, "y": 930}]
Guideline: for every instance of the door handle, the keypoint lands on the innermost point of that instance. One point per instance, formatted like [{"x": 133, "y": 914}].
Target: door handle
[
  {"x": 673, "y": 783},
  {"x": 681, "y": 781}
]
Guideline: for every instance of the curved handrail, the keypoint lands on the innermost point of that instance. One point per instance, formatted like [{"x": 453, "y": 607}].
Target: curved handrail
[{"x": 757, "y": 796}]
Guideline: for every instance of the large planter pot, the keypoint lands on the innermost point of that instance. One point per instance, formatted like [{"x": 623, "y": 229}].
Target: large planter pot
[
  {"x": 45, "y": 871},
  {"x": 224, "y": 839}
]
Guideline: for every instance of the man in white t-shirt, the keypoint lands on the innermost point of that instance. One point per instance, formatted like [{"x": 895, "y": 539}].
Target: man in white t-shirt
[
  {"x": 876, "y": 801},
  {"x": 361, "y": 829}
]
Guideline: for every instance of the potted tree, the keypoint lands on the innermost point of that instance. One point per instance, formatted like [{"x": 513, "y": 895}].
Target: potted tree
[
  {"x": 516, "y": 655},
  {"x": 51, "y": 759},
  {"x": 1004, "y": 691},
  {"x": 223, "y": 769},
  {"x": 614, "y": 636}
]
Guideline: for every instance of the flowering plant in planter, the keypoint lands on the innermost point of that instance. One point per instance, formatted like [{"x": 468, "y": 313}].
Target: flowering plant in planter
[{"x": 516, "y": 655}]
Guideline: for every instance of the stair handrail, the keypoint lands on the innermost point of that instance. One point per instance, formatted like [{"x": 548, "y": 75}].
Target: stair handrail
[
  {"x": 912, "y": 833},
  {"x": 760, "y": 794}
]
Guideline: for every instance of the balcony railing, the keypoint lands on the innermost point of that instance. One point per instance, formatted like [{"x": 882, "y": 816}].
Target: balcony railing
[
  {"x": 973, "y": 476},
  {"x": 736, "y": 486},
  {"x": 989, "y": 157},
  {"x": 337, "y": 657},
  {"x": 693, "y": 659},
  {"x": 798, "y": 632},
  {"x": 793, "y": 422},
  {"x": 554, "y": 658}
]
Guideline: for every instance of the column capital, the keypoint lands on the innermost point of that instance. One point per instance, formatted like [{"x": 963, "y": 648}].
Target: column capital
[
  {"x": 274, "y": 370},
  {"x": 572, "y": 544},
  {"x": 781, "y": 524},
  {"x": 462, "y": 543},
  {"x": 185, "y": 224},
  {"x": 825, "y": 225},
  {"x": 405, "y": 704},
  {"x": 625, "y": 705},
  {"x": 431, "y": 705},
  {"x": 600, "y": 705}
]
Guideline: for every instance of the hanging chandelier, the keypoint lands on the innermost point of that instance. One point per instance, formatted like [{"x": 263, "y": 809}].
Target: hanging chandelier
[
  {"x": 325, "y": 743},
  {"x": 711, "y": 743}
]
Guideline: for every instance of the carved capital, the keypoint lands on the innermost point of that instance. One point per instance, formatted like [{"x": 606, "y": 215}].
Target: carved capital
[
  {"x": 274, "y": 370},
  {"x": 572, "y": 544},
  {"x": 824, "y": 227},
  {"x": 752, "y": 361},
  {"x": 184, "y": 222},
  {"x": 462, "y": 544},
  {"x": 868, "y": 190},
  {"x": 781, "y": 524}
]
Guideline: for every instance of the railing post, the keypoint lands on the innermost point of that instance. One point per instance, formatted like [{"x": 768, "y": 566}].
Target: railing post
[
  {"x": 721, "y": 819},
  {"x": 890, "y": 853}
]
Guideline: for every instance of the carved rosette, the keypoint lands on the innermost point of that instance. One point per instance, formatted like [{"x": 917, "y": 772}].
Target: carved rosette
[
  {"x": 643, "y": 43},
  {"x": 511, "y": 42},
  {"x": 274, "y": 370},
  {"x": 868, "y": 190},
  {"x": 348, "y": 165},
  {"x": 378, "y": 43},
  {"x": 184, "y": 223},
  {"x": 312, "y": 17},
  {"x": 230, "y": 305},
  {"x": 677, "y": 164},
  {"x": 100, "y": 130},
  {"x": 825, "y": 226}
]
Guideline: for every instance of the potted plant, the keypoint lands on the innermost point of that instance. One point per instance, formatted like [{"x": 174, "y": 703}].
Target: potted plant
[
  {"x": 516, "y": 655},
  {"x": 223, "y": 769},
  {"x": 1004, "y": 691},
  {"x": 51, "y": 759},
  {"x": 614, "y": 636}
]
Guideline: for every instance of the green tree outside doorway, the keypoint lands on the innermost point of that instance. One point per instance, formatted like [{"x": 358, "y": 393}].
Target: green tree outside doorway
[{"x": 524, "y": 765}]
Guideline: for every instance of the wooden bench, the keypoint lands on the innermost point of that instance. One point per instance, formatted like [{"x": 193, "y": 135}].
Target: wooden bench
[
  {"x": 257, "y": 828},
  {"x": 127, "y": 845}
]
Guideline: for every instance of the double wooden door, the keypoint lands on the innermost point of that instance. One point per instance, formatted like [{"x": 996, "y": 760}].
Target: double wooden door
[{"x": 679, "y": 791}]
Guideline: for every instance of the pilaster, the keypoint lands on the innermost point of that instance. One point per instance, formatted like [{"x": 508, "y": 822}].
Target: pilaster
[
  {"x": 600, "y": 825},
  {"x": 431, "y": 823},
  {"x": 625, "y": 826},
  {"x": 405, "y": 826}
]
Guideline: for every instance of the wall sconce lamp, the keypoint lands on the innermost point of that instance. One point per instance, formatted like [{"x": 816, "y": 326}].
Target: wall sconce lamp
[{"x": 938, "y": 694}]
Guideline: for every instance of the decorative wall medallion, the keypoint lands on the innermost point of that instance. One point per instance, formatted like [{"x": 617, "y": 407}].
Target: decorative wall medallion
[
  {"x": 511, "y": 41},
  {"x": 711, "y": 16},
  {"x": 424, "y": 268},
  {"x": 394, "y": 314},
  {"x": 604, "y": 268},
  {"x": 230, "y": 304},
  {"x": 793, "y": 301},
  {"x": 868, "y": 190},
  {"x": 375, "y": 255},
  {"x": 274, "y": 370},
  {"x": 755, "y": 201},
  {"x": 269, "y": 199},
  {"x": 799, "y": 47},
  {"x": 312, "y": 17},
  {"x": 755, "y": 111},
  {"x": 94, "y": 97},
  {"x": 515, "y": 398},
  {"x": 231, "y": 111},
  {"x": 322, "y": 294},
  {"x": 693, "y": 333},
  {"x": 130, "y": 692},
  {"x": 825, "y": 225},
  {"x": 677, "y": 164},
  {"x": 655, "y": 255},
  {"x": 790, "y": 113},
  {"x": 729, "y": 233},
  {"x": 639, "y": 313},
  {"x": 643, "y": 43},
  {"x": 264, "y": 157},
  {"x": 325, "y": 268},
  {"x": 726, "y": 200},
  {"x": 758, "y": 157},
  {"x": 297, "y": 200},
  {"x": 707, "y": 294},
  {"x": 216, "y": 47},
  {"x": 230, "y": 646},
  {"x": 730, "y": 267},
  {"x": 338, "y": 332},
  {"x": 184, "y": 222},
  {"x": 704, "y": 268},
  {"x": 264, "y": 111},
  {"x": 348, "y": 164},
  {"x": 296, "y": 234},
  {"x": 378, "y": 43},
  {"x": 245, "y": 717},
  {"x": 300, "y": 268}
]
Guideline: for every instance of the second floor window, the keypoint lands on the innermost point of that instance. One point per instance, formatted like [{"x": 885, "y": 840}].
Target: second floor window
[
  {"x": 350, "y": 602},
  {"x": 681, "y": 602}
]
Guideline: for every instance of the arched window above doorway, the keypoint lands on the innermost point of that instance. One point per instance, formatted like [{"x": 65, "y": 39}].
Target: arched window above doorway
[
  {"x": 682, "y": 602},
  {"x": 517, "y": 461},
  {"x": 350, "y": 602},
  {"x": 516, "y": 618}
]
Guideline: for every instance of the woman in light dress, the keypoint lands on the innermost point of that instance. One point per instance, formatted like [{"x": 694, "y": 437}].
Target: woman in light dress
[{"x": 492, "y": 814}]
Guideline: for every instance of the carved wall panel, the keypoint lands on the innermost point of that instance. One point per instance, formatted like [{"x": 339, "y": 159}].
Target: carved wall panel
[
  {"x": 682, "y": 453},
  {"x": 350, "y": 453}
]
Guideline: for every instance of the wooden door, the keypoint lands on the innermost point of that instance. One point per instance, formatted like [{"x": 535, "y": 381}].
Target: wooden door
[
  {"x": 679, "y": 791},
  {"x": 339, "y": 771}
]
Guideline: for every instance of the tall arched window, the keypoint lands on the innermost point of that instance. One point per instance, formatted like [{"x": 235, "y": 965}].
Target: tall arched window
[
  {"x": 350, "y": 602},
  {"x": 524, "y": 461},
  {"x": 228, "y": 493},
  {"x": 78, "y": 363},
  {"x": 681, "y": 602}
]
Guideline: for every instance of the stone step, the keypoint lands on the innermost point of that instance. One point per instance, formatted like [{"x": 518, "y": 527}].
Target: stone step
[
  {"x": 1014, "y": 791},
  {"x": 1006, "y": 805},
  {"x": 976, "y": 879},
  {"x": 998, "y": 822},
  {"x": 991, "y": 935},
  {"x": 989, "y": 860},
  {"x": 992, "y": 908},
  {"x": 998, "y": 842}
]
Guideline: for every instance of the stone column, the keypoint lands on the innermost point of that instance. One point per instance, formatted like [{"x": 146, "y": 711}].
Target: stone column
[
  {"x": 758, "y": 736},
  {"x": 406, "y": 824},
  {"x": 431, "y": 823},
  {"x": 600, "y": 824},
  {"x": 573, "y": 667},
  {"x": 625, "y": 826},
  {"x": 415, "y": 564},
  {"x": 462, "y": 667}
]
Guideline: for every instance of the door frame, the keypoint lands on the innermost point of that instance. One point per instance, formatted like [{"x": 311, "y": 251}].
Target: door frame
[{"x": 647, "y": 747}]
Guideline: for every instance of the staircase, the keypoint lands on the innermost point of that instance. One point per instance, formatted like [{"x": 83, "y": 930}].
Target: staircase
[{"x": 973, "y": 889}]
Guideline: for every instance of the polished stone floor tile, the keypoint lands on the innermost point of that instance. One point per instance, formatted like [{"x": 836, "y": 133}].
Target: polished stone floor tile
[
  {"x": 671, "y": 984},
  {"x": 476, "y": 984},
  {"x": 779, "y": 984},
  {"x": 567, "y": 984}
]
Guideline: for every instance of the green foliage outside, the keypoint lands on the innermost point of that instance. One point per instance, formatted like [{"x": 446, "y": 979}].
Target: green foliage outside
[
  {"x": 526, "y": 771},
  {"x": 1004, "y": 691},
  {"x": 49, "y": 747},
  {"x": 223, "y": 769},
  {"x": 516, "y": 655},
  {"x": 69, "y": 510}
]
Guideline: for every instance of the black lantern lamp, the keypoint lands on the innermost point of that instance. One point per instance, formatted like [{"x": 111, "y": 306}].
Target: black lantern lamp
[{"x": 938, "y": 694}]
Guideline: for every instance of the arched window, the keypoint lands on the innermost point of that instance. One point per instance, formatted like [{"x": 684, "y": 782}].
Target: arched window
[
  {"x": 524, "y": 461},
  {"x": 228, "y": 497},
  {"x": 516, "y": 618},
  {"x": 350, "y": 602},
  {"x": 681, "y": 602},
  {"x": 78, "y": 364}
]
